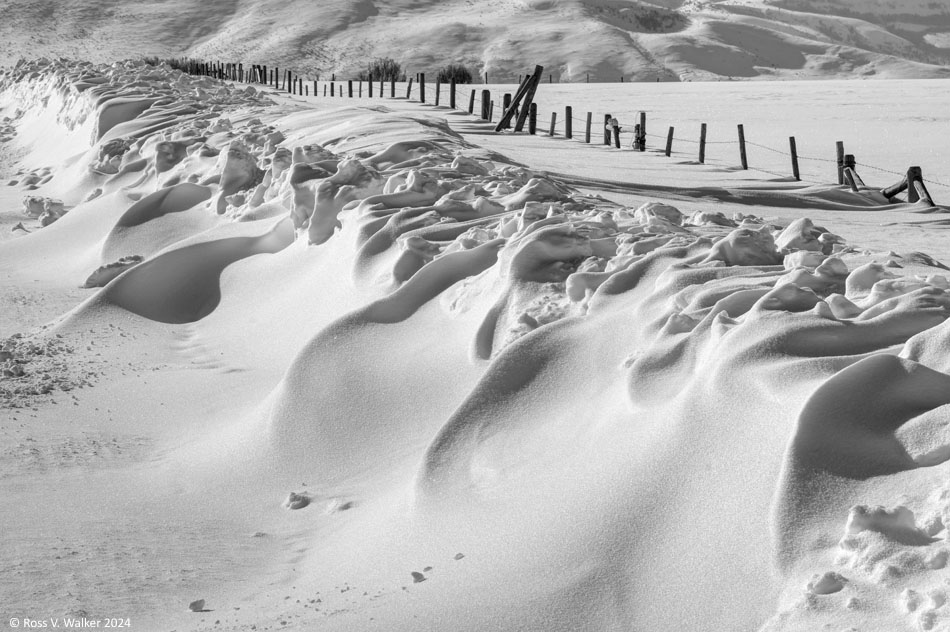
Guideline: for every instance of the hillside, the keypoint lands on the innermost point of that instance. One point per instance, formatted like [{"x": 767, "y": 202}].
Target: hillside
[{"x": 573, "y": 39}]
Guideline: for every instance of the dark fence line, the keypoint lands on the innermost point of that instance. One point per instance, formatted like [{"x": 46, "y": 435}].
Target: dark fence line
[{"x": 514, "y": 115}]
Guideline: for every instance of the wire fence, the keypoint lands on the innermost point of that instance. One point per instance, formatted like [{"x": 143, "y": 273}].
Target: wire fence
[{"x": 480, "y": 104}]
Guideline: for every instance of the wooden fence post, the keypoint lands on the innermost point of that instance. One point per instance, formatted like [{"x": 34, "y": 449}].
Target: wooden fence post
[
  {"x": 332, "y": 88},
  {"x": 839, "y": 150},
  {"x": 642, "y": 136},
  {"x": 392, "y": 89},
  {"x": 742, "y": 154},
  {"x": 568, "y": 122},
  {"x": 452, "y": 93},
  {"x": 702, "y": 144},
  {"x": 794, "y": 151},
  {"x": 422, "y": 87},
  {"x": 409, "y": 88},
  {"x": 471, "y": 103},
  {"x": 491, "y": 110},
  {"x": 606, "y": 129},
  {"x": 553, "y": 121},
  {"x": 615, "y": 126},
  {"x": 669, "y": 142},
  {"x": 533, "y": 118},
  {"x": 529, "y": 87},
  {"x": 438, "y": 90},
  {"x": 505, "y": 104},
  {"x": 349, "y": 88},
  {"x": 486, "y": 104},
  {"x": 590, "y": 118}
]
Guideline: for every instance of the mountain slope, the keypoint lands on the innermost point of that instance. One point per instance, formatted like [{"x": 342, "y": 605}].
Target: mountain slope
[{"x": 573, "y": 39}]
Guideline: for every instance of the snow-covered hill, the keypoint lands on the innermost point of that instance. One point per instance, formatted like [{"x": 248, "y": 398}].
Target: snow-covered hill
[{"x": 573, "y": 39}]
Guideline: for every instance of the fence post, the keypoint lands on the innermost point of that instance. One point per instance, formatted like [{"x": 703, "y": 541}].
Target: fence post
[
  {"x": 452, "y": 93},
  {"x": 606, "y": 129},
  {"x": 794, "y": 151},
  {"x": 471, "y": 103},
  {"x": 553, "y": 121},
  {"x": 702, "y": 144},
  {"x": 486, "y": 104},
  {"x": 568, "y": 122},
  {"x": 839, "y": 150},
  {"x": 615, "y": 125},
  {"x": 422, "y": 87},
  {"x": 438, "y": 90},
  {"x": 590, "y": 117},
  {"x": 349, "y": 88},
  {"x": 409, "y": 88},
  {"x": 332, "y": 89},
  {"x": 642, "y": 136},
  {"x": 392, "y": 89},
  {"x": 381, "y": 87},
  {"x": 491, "y": 110},
  {"x": 669, "y": 142},
  {"x": 505, "y": 104},
  {"x": 533, "y": 118},
  {"x": 742, "y": 154}
]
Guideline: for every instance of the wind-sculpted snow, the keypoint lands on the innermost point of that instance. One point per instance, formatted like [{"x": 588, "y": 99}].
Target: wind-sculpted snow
[{"x": 648, "y": 412}]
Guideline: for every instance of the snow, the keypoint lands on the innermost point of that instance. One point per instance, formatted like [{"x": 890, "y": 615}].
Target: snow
[{"x": 381, "y": 368}]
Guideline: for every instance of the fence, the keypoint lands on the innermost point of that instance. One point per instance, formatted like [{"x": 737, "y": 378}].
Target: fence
[{"x": 619, "y": 134}]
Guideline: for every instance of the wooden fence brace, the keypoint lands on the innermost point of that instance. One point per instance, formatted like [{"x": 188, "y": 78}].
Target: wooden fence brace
[
  {"x": 849, "y": 178},
  {"x": 669, "y": 142},
  {"x": 530, "y": 87},
  {"x": 486, "y": 104},
  {"x": 452, "y": 93},
  {"x": 568, "y": 122},
  {"x": 553, "y": 122},
  {"x": 742, "y": 155},
  {"x": 793, "y": 149},
  {"x": 607, "y": 129},
  {"x": 616, "y": 130},
  {"x": 471, "y": 103},
  {"x": 438, "y": 90},
  {"x": 590, "y": 118},
  {"x": 839, "y": 150},
  {"x": 642, "y": 136},
  {"x": 409, "y": 88},
  {"x": 511, "y": 107},
  {"x": 702, "y": 144},
  {"x": 894, "y": 189},
  {"x": 422, "y": 87},
  {"x": 533, "y": 118}
]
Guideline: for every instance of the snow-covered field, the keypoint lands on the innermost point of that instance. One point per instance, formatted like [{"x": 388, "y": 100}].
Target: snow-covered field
[{"x": 365, "y": 365}]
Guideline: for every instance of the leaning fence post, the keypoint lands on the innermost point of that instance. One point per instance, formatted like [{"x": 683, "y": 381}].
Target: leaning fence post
[
  {"x": 839, "y": 149},
  {"x": 533, "y": 118},
  {"x": 471, "y": 103},
  {"x": 505, "y": 104},
  {"x": 794, "y": 151},
  {"x": 553, "y": 122},
  {"x": 669, "y": 142},
  {"x": 590, "y": 116},
  {"x": 409, "y": 88},
  {"x": 568, "y": 122},
  {"x": 606, "y": 129},
  {"x": 702, "y": 144},
  {"x": 742, "y": 154}
]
